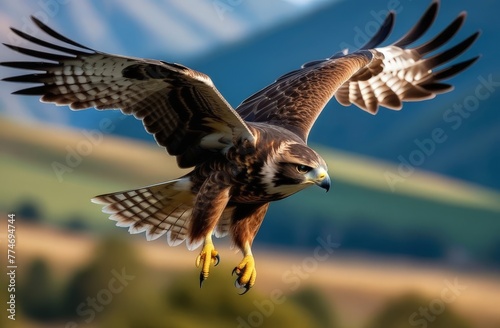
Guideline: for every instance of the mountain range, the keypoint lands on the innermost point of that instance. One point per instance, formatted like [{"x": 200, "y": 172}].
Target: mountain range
[{"x": 470, "y": 126}]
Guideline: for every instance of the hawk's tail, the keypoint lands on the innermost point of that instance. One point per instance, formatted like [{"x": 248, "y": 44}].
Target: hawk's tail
[{"x": 156, "y": 210}]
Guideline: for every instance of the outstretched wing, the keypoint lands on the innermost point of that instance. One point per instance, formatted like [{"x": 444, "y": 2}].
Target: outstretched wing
[
  {"x": 179, "y": 106},
  {"x": 369, "y": 78}
]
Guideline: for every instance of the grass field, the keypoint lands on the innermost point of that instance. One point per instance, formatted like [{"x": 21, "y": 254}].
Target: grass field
[
  {"x": 460, "y": 214},
  {"x": 355, "y": 288}
]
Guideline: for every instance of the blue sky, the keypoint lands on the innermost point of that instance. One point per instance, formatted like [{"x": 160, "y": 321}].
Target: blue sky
[
  {"x": 178, "y": 31},
  {"x": 179, "y": 27}
]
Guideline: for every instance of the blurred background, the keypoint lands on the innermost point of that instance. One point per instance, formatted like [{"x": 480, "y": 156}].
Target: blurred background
[{"x": 409, "y": 235}]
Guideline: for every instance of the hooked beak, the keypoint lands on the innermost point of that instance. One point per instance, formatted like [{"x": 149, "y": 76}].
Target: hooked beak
[
  {"x": 323, "y": 179},
  {"x": 325, "y": 183}
]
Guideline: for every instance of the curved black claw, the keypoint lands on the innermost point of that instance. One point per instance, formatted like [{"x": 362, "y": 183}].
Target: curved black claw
[
  {"x": 247, "y": 288},
  {"x": 202, "y": 279},
  {"x": 240, "y": 286},
  {"x": 237, "y": 283},
  {"x": 217, "y": 260}
]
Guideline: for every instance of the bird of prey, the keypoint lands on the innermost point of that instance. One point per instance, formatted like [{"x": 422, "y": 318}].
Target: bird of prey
[{"x": 244, "y": 158}]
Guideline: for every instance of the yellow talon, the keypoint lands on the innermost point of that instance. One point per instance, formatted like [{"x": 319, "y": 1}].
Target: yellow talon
[
  {"x": 208, "y": 255},
  {"x": 246, "y": 273}
]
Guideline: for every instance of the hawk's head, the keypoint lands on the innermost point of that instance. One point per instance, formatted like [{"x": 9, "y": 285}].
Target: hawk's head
[{"x": 292, "y": 167}]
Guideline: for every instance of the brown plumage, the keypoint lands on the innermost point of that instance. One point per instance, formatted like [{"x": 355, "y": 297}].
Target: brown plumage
[{"x": 245, "y": 158}]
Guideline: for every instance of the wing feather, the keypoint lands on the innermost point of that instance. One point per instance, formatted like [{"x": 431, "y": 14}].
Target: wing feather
[
  {"x": 296, "y": 99},
  {"x": 382, "y": 33},
  {"x": 406, "y": 73},
  {"x": 422, "y": 25},
  {"x": 443, "y": 37},
  {"x": 178, "y": 105},
  {"x": 369, "y": 78}
]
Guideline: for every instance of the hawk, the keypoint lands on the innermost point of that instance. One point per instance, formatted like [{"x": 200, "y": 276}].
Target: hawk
[{"x": 242, "y": 159}]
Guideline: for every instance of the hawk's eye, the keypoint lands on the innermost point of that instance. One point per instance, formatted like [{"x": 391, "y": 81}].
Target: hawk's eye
[{"x": 303, "y": 169}]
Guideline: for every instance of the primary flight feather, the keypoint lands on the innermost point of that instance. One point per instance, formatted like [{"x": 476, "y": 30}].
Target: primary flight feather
[{"x": 242, "y": 158}]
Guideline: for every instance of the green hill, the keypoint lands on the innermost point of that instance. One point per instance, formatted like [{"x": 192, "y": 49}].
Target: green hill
[{"x": 427, "y": 215}]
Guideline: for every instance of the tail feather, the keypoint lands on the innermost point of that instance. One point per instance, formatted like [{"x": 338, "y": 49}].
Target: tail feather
[{"x": 160, "y": 209}]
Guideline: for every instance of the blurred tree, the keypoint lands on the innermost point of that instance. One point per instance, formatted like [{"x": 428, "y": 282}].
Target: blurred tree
[
  {"x": 313, "y": 301},
  {"x": 218, "y": 304},
  {"x": 76, "y": 222},
  {"x": 183, "y": 304},
  {"x": 29, "y": 210},
  {"x": 412, "y": 310},
  {"x": 93, "y": 288},
  {"x": 155, "y": 298},
  {"x": 38, "y": 293}
]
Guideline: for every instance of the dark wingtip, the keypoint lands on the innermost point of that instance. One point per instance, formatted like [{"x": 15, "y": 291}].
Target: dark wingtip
[
  {"x": 38, "y": 22},
  {"x": 453, "y": 52},
  {"x": 35, "y": 20},
  {"x": 435, "y": 3},
  {"x": 33, "y": 91},
  {"x": 49, "y": 45},
  {"x": 56, "y": 35},
  {"x": 12, "y": 79},
  {"x": 36, "y": 66},
  {"x": 38, "y": 54},
  {"x": 420, "y": 27},
  {"x": 453, "y": 70},
  {"x": 443, "y": 37},
  {"x": 383, "y": 32}
]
